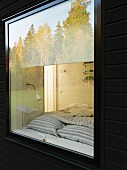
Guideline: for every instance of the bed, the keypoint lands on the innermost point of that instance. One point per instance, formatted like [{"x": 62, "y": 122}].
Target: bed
[{"x": 71, "y": 127}]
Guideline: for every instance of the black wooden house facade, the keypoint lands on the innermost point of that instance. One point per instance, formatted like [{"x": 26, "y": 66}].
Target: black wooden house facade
[{"x": 17, "y": 155}]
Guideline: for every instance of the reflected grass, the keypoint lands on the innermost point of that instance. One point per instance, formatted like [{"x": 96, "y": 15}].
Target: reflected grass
[{"x": 25, "y": 98}]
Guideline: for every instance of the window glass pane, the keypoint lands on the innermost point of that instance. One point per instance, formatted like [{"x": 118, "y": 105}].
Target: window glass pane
[{"x": 51, "y": 64}]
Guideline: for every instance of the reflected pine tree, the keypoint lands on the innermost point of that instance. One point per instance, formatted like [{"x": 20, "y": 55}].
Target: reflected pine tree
[{"x": 78, "y": 33}]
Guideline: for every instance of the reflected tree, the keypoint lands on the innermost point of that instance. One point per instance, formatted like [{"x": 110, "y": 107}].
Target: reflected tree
[{"x": 78, "y": 33}]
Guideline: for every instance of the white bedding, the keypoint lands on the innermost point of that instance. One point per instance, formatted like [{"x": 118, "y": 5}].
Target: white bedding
[
  {"x": 73, "y": 120},
  {"x": 75, "y": 114}
]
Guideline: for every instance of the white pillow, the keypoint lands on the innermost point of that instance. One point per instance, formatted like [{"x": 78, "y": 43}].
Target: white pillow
[
  {"x": 77, "y": 133},
  {"x": 46, "y": 124}
]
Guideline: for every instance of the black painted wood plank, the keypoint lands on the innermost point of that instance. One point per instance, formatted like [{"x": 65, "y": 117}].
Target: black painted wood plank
[
  {"x": 2, "y": 45},
  {"x": 2, "y": 115},
  {"x": 2, "y": 107},
  {"x": 6, "y": 3},
  {"x": 1, "y": 23},
  {"x": 116, "y": 156},
  {"x": 27, "y": 152},
  {"x": 2, "y": 54},
  {"x": 2, "y": 167},
  {"x": 16, "y": 161},
  {"x": 3, "y": 132},
  {"x": 23, "y": 153},
  {"x": 2, "y": 85},
  {"x": 2, "y": 102},
  {"x": 2, "y": 69},
  {"x": 18, "y": 158},
  {"x": 116, "y": 57},
  {"x": 42, "y": 159},
  {"x": 109, "y": 4},
  {"x": 116, "y": 43},
  {"x": 116, "y": 128},
  {"x": 116, "y": 85},
  {"x": 2, "y": 28},
  {"x": 116, "y": 71},
  {"x": 5, "y": 164},
  {"x": 109, "y": 165},
  {"x": 115, "y": 141},
  {"x": 18, "y": 6},
  {"x": 2, "y": 60},
  {"x": 2, "y": 77},
  {"x": 117, "y": 14},
  {"x": 2, "y": 92},
  {"x": 1, "y": 37},
  {"x": 116, "y": 113},
  {"x": 116, "y": 29},
  {"x": 2, "y": 123},
  {"x": 116, "y": 100}
]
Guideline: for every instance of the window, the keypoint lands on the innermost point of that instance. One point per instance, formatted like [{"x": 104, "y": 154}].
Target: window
[{"x": 52, "y": 92}]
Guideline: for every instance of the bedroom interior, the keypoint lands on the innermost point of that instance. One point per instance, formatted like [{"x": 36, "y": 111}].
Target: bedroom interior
[{"x": 66, "y": 96}]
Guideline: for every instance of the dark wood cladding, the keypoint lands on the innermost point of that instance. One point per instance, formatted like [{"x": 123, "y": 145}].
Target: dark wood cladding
[
  {"x": 115, "y": 85},
  {"x": 1, "y": 37},
  {"x": 116, "y": 71},
  {"x": 2, "y": 77},
  {"x": 28, "y": 158},
  {"x": 1, "y": 29},
  {"x": 116, "y": 43},
  {"x": 116, "y": 14},
  {"x": 116, "y": 113},
  {"x": 116, "y": 29},
  {"x": 112, "y": 165},
  {"x": 116, "y": 99},
  {"x": 116, "y": 141},
  {"x": 5, "y": 3},
  {"x": 118, "y": 155},
  {"x": 14, "y": 156},
  {"x": 110, "y": 4},
  {"x": 116, "y": 127},
  {"x": 112, "y": 57},
  {"x": 13, "y": 6}
]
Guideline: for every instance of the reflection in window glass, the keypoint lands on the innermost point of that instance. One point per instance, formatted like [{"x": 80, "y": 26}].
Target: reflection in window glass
[{"x": 52, "y": 76}]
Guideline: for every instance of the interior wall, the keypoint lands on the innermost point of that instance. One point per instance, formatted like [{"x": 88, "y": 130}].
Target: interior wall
[{"x": 72, "y": 88}]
